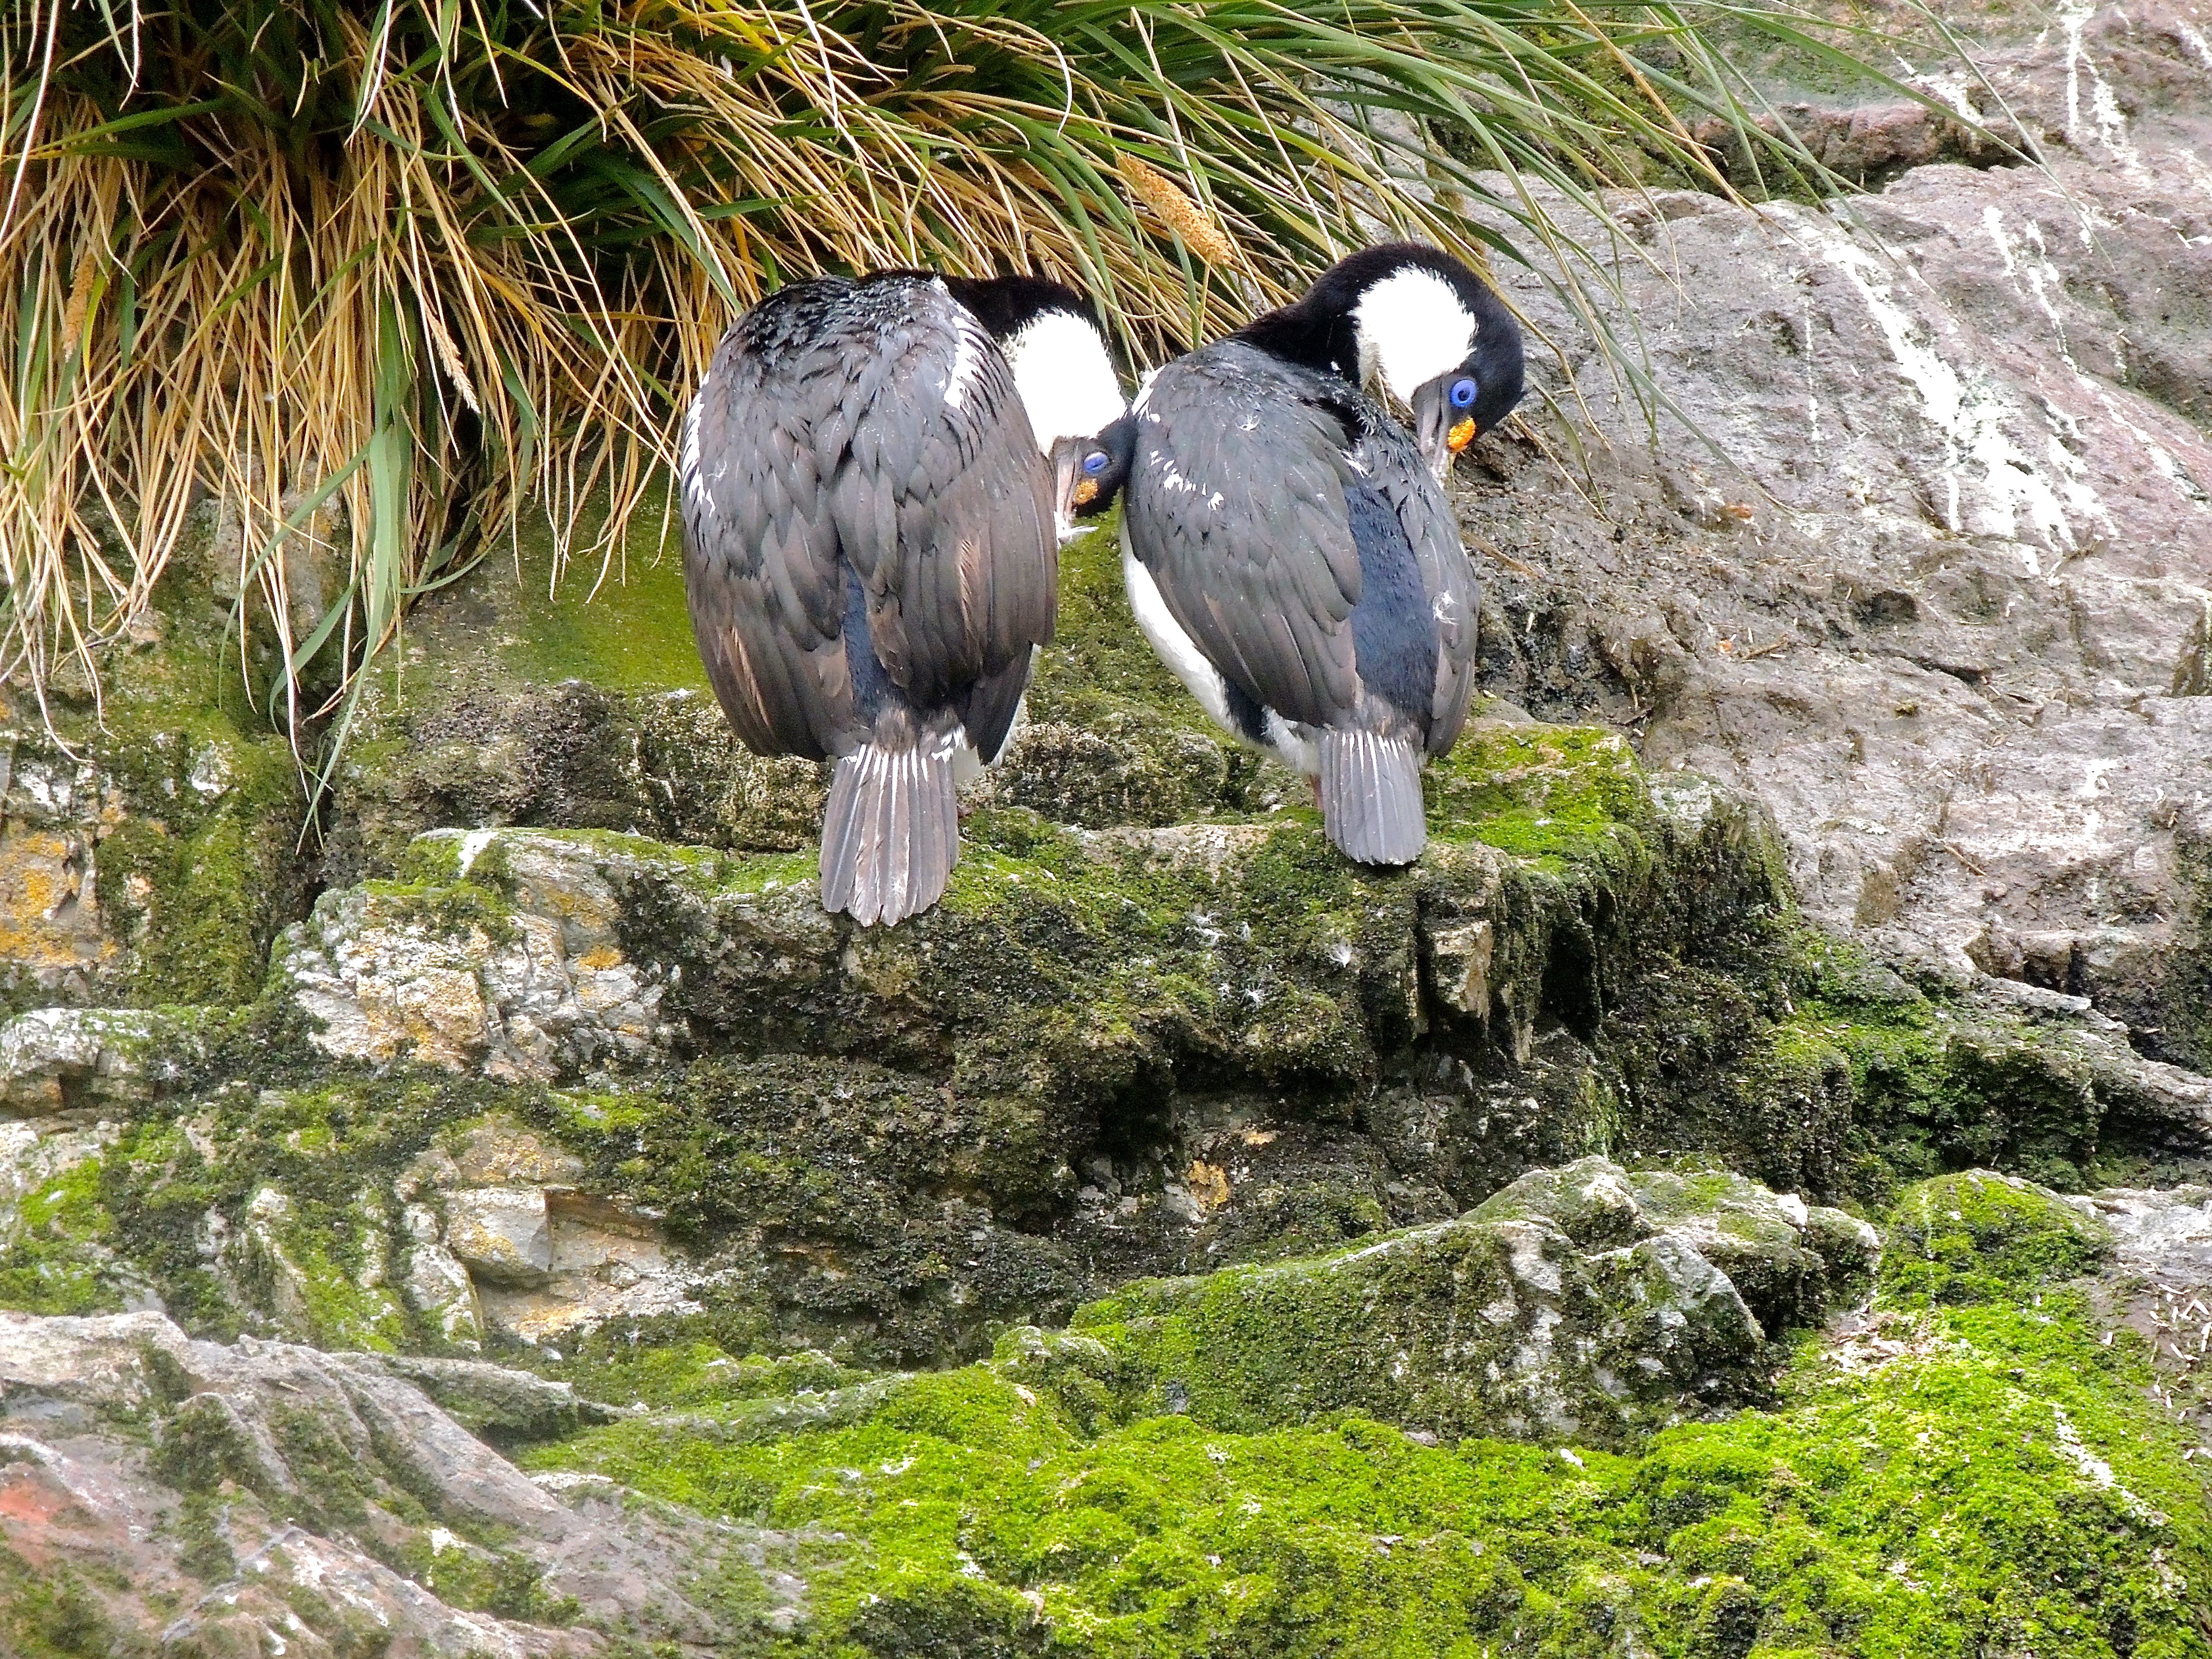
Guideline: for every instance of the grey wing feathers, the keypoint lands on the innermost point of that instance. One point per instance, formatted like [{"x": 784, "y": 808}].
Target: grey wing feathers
[
  {"x": 878, "y": 420},
  {"x": 947, "y": 519},
  {"x": 1395, "y": 467},
  {"x": 1237, "y": 487},
  {"x": 761, "y": 562}
]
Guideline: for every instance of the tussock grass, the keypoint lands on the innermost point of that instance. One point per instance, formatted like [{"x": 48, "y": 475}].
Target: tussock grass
[{"x": 384, "y": 276}]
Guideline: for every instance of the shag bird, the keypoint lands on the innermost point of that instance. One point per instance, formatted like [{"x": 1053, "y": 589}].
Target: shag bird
[
  {"x": 1288, "y": 546},
  {"x": 873, "y": 472}
]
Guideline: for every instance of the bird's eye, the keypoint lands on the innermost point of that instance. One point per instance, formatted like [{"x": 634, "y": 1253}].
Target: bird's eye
[
  {"x": 1462, "y": 394},
  {"x": 1095, "y": 462}
]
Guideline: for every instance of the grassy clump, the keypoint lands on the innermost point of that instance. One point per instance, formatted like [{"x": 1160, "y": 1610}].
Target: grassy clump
[
  {"x": 492, "y": 248},
  {"x": 1954, "y": 1482}
]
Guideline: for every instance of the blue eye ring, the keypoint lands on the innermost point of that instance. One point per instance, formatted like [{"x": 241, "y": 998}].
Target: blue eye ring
[
  {"x": 1462, "y": 394},
  {"x": 1095, "y": 462}
]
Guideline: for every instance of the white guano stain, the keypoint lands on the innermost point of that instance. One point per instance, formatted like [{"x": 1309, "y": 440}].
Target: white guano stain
[
  {"x": 1988, "y": 484},
  {"x": 2104, "y": 123}
]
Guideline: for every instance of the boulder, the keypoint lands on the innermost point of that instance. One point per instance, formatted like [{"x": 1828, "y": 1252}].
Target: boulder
[
  {"x": 1584, "y": 1303},
  {"x": 500, "y": 1233},
  {"x": 268, "y": 1494},
  {"x": 83, "y": 1061},
  {"x": 1981, "y": 1236},
  {"x": 451, "y": 974}
]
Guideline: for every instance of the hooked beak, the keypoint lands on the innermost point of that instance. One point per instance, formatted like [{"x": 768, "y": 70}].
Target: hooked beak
[
  {"x": 1441, "y": 431},
  {"x": 1070, "y": 490}
]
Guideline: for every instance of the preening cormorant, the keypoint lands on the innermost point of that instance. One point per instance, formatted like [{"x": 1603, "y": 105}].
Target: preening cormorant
[
  {"x": 876, "y": 474},
  {"x": 1289, "y": 549}
]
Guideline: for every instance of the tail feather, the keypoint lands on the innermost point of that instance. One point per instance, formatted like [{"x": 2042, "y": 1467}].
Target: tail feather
[
  {"x": 890, "y": 834},
  {"x": 1371, "y": 797}
]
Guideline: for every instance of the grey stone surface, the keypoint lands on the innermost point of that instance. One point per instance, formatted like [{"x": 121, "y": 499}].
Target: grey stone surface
[
  {"x": 1943, "y": 607},
  {"x": 308, "y": 1464}
]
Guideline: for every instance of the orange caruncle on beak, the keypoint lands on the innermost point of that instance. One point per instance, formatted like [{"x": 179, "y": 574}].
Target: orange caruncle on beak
[
  {"x": 1086, "y": 491},
  {"x": 1460, "y": 436}
]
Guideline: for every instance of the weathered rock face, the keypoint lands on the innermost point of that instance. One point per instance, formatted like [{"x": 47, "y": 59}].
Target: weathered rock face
[
  {"x": 1943, "y": 609},
  {"x": 1581, "y": 1303},
  {"x": 272, "y": 1498},
  {"x": 152, "y": 866}
]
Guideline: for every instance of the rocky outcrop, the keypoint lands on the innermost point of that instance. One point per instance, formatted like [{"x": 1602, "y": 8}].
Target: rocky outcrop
[
  {"x": 148, "y": 843},
  {"x": 1583, "y": 1304},
  {"x": 184, "y": 1497},
  {"x": 1257, "y": 1507},
  {"x": 270, "y": 1496},
  {"x": 1941, "y": 606}
]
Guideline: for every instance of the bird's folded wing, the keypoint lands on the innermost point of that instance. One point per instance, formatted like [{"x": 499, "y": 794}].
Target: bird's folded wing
[
  {"x": 1395, "y": 465},
  {"x": 760, "y": 560},
  {"x": 945, "y": 506},
  {"x": 1236, "y": 506}
]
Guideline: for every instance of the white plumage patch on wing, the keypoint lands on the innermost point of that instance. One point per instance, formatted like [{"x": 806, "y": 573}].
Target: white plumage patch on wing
[
  {"x": 1176, "y": 648},
  {"x": 969, "y": 344},
  {"x": 1293, "y": 745},
  {"x": 1065, "y": 377},
  {"x": 1412, "y": 329},
  {"x": 695, "y": 487}
]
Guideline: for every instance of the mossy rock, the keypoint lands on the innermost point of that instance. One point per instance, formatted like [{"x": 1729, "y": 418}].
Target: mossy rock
[
  {"x": 1981, "y": 1236},
  {"x": 1586, "y": 1302},
  {"x": 155, "y": 863},
  {"x": 1993, "y": 1479}
]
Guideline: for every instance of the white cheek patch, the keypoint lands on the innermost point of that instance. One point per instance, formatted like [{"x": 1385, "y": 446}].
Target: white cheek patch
[
  {"x": 1065, "y": 377},
  {"x": 1412, "y": 328}
]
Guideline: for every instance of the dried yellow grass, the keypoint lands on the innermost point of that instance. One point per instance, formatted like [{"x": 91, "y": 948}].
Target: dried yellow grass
[{"x": 383, "y": 276}]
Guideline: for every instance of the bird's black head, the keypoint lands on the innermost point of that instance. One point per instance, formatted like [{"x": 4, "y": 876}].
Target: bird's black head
[
  {"x": 1434, "y": 335},
  {"x": 1104, "y": 468},
  {"x": 1056, "y": 342}
]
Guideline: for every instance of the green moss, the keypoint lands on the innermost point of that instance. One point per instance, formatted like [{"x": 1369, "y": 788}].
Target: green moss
[
  {"x": 1115, "y": 737},
  {"x": 200, "y": 865},
  {"x": 1561, "y": 794},
  {"x": 59, "y": 1263},
  {"x": 502, "y": 1582},
  {"x": 54, "y": 1614},
  {"x": 2001, "y": 1483},
  {"x": 342, "y": 1311},
  {"x": 1099, "y": 663},
  {"x": 1927, "y": 1085},
  {"x": 1983, "y": 1238},
  {"x": 671, "y": 1372},
  {"x": 451, "y": 910},
  {"x": 632, "y": 633},
  {"x": 765, "y": 872},
  {"x": 138, "y": 1217}
]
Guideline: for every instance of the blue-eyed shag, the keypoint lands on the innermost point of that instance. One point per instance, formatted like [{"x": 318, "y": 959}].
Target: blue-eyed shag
[
  {"x": 876, "y": 474},
  {"x": 1289, "y": 548}
]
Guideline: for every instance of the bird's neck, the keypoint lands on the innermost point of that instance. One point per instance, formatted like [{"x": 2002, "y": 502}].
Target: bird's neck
[{"x": 1318, "y": 338}]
